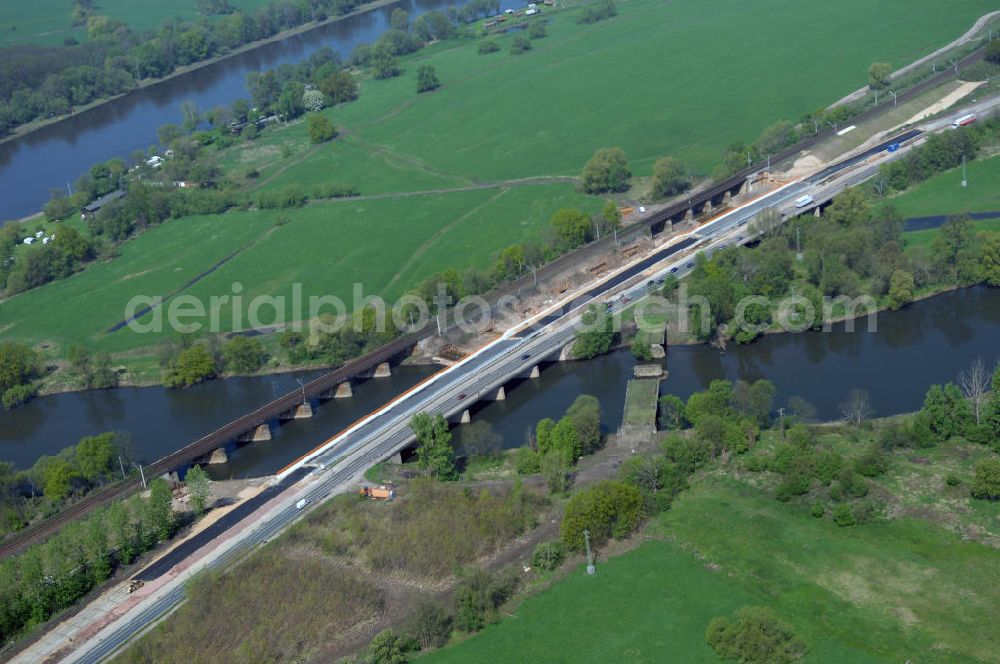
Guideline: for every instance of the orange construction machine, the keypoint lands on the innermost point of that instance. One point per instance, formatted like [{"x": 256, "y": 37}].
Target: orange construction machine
[{"x": 378, "y": 492}]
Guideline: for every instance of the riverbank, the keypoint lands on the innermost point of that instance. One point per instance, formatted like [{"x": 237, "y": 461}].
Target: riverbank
[{"x": 31, "y": 127}]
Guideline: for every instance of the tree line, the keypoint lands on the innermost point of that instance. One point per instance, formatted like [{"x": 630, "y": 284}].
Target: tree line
[{"x": 47, "y": 81}]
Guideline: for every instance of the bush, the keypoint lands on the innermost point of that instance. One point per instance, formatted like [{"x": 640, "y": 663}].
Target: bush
[
  {"x": 756, "y": 636},
  {"x": 427, "y": 79},
  {"x": 872, "y": 463},
  {"x": 478, "y": 598},
  {"x": 287, "y": 197},
  {"x": 640, "y": 349},
  {"x": 320, "y": 128},
  {"x": 527, "y": 461},
  {"x": 843, "y": 515},
  {"x": 608, "y": 510},
  {"x": 952, "y": 480},
  {"x": 670, "y": 177},
  {"x": 793, "y": 485},
  {"x": 487, "y": 46},
  {"x": 243, "y": 355},
  {"x": 519, "y": 45},
  {"x": 18, "y": 395},
  {"x": 430, "y": 625},
  {"x": 537, "y": 31},
  {"x": 603, "y": 9},
  {"x": 548, "y": 555},
  {"x": 818, "y": 510},
  {"x": 986, "y": 481}
]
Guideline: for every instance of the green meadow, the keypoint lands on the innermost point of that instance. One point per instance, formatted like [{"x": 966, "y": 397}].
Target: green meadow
[
  {"x": 887, "y": 591},
  {"x": 49, "y": 21},
  {"x": 944, "y": 194},
  {"x": 451, "y": 177}
]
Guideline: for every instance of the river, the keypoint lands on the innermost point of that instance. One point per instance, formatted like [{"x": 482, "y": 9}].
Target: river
[
  {"x": 928, "y": 342},
  {"x": 57, "y": 154}
]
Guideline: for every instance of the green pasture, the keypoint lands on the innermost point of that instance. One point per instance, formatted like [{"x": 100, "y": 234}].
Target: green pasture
[
  {"x": 882, "y": 592},
  {"x": 49, "y": 21},
  {"x": 387, "y": 245},
  {"x": 944, "y": 194}
]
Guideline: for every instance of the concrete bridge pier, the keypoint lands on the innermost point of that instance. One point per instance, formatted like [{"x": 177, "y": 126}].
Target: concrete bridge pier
[
  {"x": 171, "y": 477},
  {"x": 344, "y": 391},
  {"x": 466, "y": 417},
  {"x": 689, "y": 215},
  {"x": 567, "y": 352},
  {"x": 535, "y": 373},
  {"x": 382, "y": 371},
  {"x": 301, "y": 412},
  {"x": 818, "y": 212},
  {"x": 501, "y": 394},
  {"x": 218, "y": 456},
  {"x": 727, "y": 200},
  {"x": 260, "y": 433},
  {"x": 709, "y": 208}
]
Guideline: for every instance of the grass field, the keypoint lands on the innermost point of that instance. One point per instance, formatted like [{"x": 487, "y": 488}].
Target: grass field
[
  {"x": 400, "y": 241},
  {"x": 944, "y": 194},
  {"x": 49, "y": 21},
  {"x": 883, "y": 592},
  {"x": 915, "y": 239},
  {"x": 663, "y": 80},
  {"x": 640, "y": 404}
]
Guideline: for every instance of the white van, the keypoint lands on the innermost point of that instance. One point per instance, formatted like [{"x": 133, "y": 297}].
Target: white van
[
  {"x": 302, "y": 503},
  {"x": 803, "y": 201}
]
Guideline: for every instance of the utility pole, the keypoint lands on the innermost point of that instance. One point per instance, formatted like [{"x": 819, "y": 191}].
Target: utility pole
[
  {"x": 893, "y": 98},
  {"x": 749, "y": 162},
  {"x": 955, "y": 63},
  {"x": 142, "y": 475},
  {"x": 303, "y": 386},
  {"x": 121, "y": 465},
  {"x": 965, "y": 181},
  {"x": 876, "y": 96},
  {"x": 781, "y": 419},
  {"x": 590, "y": 556}
]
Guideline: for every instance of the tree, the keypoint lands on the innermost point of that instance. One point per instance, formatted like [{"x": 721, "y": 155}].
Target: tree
[
  {"x": 986, "y": 481},
  {"x": 199, "y": 487},
  {"x": 193, "y": 365},
  {"x": 160, "y": 508},
  {"x": 95, "y": 456},
  {"x": 801, "y": 410},
  {"x": 975, "y": 385},
  {"x": 556, "y": 465},
  {"x": 670, "y": 177},
  {"x": 900, "y": 289},
  {"x": 427, "y": 79},
  {"x": 990, "y": 253},
  {"x": 313, "y": 101},
  {"x": 947, "y": 410},
  {"x": 430, "y": 625},
  {"x": 537, "y": 30},
  {"x": 168, "y": 133},
  {"x": 596, "y": 334},
  {"x": 608, "y": 510},
  {"x": 520, "y": 44},
  {"x": 243, "y": 355},
  {"x": 58, "y": 478},
  {"x": 480, "y": 440},
  {"x": 477, "y": 599},
  {"x": 878, "y": 75},
  {"x": 190, "y": 114},
  {"x": 572, "y": 227},
  {"x": 399, "y": 19},
  {"x": 387, "y": 648},
  {"x": 339, "y": 87},
  {"x": 953, "y": 248},
  {"x": 857, "y": 408},
  {"x": 434, "y": 451},
  {"x": 606, "y": 171},
  {"x": 487, "y": 46},
  {"x": 19, "y": 366},
  {"x": 993, "y": 52},
  {"x": 756, "y": 636},
  {"x": 320, "y": 128},
  {"x": 383, "y": 62},
  {"x": 671, "y": 412}
]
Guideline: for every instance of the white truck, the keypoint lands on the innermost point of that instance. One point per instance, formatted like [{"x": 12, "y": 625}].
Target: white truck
[
  {"x": 803, "y": 201},
  {"x": 302, "y": 503}
]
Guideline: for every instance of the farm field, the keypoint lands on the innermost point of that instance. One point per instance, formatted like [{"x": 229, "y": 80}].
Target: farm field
[
  {"x": 882, "y": 592},
  {"x": 48, "y": 21},
  {"x": 943, "y": 193}
]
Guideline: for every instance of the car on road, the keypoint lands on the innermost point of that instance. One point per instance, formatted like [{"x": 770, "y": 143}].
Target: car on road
[
  {"x": 659, "y": 281},
  {"x": 689, "y": 265},
  {"x": 673, "y": 269},
  {"x": 462, "y": 396},
  {"x": 739, "y": 238},
  {"x": 526, "y": 356},
  {"x": 302, "y": 503}
]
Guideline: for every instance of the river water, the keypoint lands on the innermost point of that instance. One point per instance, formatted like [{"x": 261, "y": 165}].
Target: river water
[
  {"x": 59, "y": 153},
  {"x": 928, "y": 342}
]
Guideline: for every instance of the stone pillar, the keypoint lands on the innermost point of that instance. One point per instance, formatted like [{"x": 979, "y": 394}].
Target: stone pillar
[
  {"x": 535, "y": 373},
  {"x": 383, "y": 371},
  {"x": 466, "y": 417},
  {"x": 344, "y": 391},
  {"x": 218, "y": 456},
  {"x": 657, "y": 351},
  {"x": 727, "y": 199},
  {"x": 709, "y": 208},
  {"x": 301, "y": 412},
  {"x": 689, "y": 215},
  {"x": 567, "y": 352},
  {"x": 746, "y": 187},
  {"x": 501, "y": 394},
  {"x": 818, "y": 212},
  {"x": 260, "y": 433}
]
